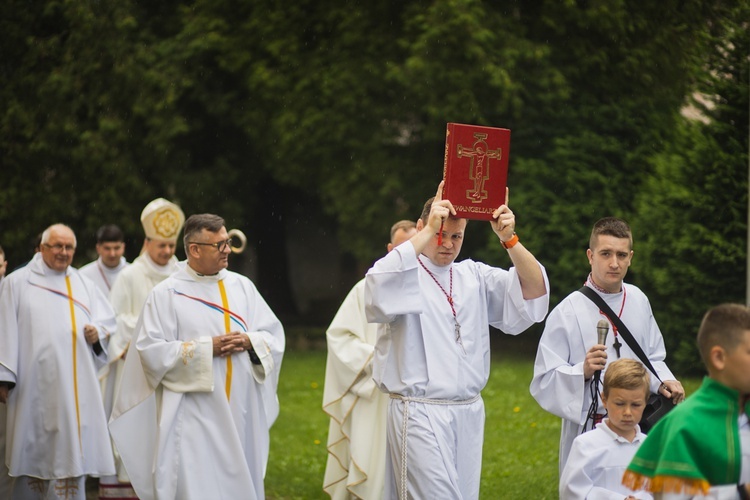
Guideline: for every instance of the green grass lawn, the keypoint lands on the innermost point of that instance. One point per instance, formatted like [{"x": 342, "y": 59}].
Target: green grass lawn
[{"x": 520, "y": 439}]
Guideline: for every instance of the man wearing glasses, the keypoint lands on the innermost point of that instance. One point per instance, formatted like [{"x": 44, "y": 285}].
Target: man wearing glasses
[
  {"x": 162, "y": 222},
  {"x": 54, "y": 326},
  {"x": 199, "y": 387}
]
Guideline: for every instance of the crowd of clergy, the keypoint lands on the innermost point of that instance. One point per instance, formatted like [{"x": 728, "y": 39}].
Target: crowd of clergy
[{"x": 156, "y": 377}]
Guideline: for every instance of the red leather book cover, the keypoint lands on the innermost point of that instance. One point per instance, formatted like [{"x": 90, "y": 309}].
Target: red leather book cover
[{"x": 475, "y": 169}]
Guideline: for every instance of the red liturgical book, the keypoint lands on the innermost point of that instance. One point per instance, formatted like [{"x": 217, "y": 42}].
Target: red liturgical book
[{"x": 475, "y": 170}]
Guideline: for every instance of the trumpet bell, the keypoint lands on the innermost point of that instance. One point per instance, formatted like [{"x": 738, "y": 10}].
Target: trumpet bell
[{"x": 237, "y": 235}]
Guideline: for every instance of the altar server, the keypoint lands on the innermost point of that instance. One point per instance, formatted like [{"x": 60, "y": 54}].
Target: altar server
[
  {"x": 569, "y": 353},
  {"x": 599, "y": 458},
  {"x": 433, "y": 354}
]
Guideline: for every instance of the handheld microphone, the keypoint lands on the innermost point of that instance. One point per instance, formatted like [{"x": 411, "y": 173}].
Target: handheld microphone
[{"x": 602, "y": 328}]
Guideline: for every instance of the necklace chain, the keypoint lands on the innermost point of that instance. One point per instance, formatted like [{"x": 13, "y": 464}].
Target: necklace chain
[{"x": 449, "y": 298}]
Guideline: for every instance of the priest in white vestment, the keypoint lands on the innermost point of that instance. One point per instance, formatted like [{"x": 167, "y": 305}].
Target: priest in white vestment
[
  {"x": 356, "y": 433},
  {"x": 197, "y": 398},
  {"x": 433, "y": 354},
  {"x": 54, "y": 325},
  {"x": 162, "y": 222},
  {"x": 569, "y": 353},
  {"x": 110, "y": 247}
]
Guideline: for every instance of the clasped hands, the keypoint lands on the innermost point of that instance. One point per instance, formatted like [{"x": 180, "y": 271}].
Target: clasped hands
[{"x": 232, "y": 342}]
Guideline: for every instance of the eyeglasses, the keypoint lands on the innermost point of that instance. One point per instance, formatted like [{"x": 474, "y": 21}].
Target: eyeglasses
[
  {"x": 219, "y": 245},
  {"x": 57, "y": 248}
]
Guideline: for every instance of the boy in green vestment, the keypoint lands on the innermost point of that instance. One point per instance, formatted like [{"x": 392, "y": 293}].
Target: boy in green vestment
[{"x": 697, "y": 445}]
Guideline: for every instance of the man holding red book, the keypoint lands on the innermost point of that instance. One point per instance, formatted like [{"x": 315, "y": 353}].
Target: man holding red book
[{"x": 433, "y": 354}]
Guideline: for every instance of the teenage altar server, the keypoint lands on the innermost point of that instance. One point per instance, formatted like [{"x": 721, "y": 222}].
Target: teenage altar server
[
  {"x": 110, "y": 246},
  {"x": 433, "y": 354},
  {"x": 197, "y": 398},
  {"x": 356, "y": 433},
  {"x": 54, "y": 325},
  {"x": 568, "y": 354}
]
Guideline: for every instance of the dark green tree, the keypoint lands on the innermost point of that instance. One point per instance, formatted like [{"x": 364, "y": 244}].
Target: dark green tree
[
  {"x": 693, "y": 209},
  {"x": 627, "y": 67},
  {"x": 276, "y": 115}
]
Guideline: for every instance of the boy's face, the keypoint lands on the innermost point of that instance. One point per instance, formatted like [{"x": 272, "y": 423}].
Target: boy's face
[
  {"x": 624, "y": 410},
  {"x": 737, "y": 366}
]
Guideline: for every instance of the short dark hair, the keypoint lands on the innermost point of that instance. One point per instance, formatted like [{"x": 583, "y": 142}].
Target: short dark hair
[
  {"x": 197, "y": 223},
  {"x": 723, "y": 326},
  {"x": 109, "y": 233},
  {"x": 426, "y": 210},
  {"x": 610, "y": 226}
]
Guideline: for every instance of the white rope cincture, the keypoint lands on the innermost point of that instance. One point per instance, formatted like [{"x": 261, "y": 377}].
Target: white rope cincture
[{"x": 404, "y": 429}]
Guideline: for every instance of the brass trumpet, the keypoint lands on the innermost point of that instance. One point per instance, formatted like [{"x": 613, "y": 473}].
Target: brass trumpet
[{"x": 238, "y": 235}]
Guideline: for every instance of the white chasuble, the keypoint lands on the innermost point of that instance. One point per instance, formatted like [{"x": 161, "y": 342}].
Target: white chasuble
[
  {"x": 356, "y": 433},
  {"x": 56, "y": 427},
  {"x": 202, "y": 422}
]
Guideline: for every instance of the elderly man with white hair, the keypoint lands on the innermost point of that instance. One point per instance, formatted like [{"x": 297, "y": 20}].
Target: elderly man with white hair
[{"x": 54, "y": 326}]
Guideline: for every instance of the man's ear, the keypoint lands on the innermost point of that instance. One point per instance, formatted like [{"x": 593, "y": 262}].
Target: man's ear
[
  {"x": 192, "y": 251},
  {"x": 420, "y": 224},
  {"x": 717, "y": 356}
]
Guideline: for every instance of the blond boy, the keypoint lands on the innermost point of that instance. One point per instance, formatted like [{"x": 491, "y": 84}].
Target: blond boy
[{"x": 598, "y": 458}]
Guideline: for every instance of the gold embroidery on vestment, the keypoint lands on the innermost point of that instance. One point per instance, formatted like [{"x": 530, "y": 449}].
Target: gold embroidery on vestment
[
  {"x": 37, "y": 485},
  {"x": 188, "y": 351},
  {"x": 67, "y": 487}
]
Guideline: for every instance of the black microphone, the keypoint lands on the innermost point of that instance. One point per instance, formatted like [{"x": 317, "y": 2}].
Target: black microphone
[{"x": 602, "y": 328}]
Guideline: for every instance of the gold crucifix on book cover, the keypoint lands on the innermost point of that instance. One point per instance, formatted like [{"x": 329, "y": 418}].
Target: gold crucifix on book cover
[{"x": 475, "y": 169}]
